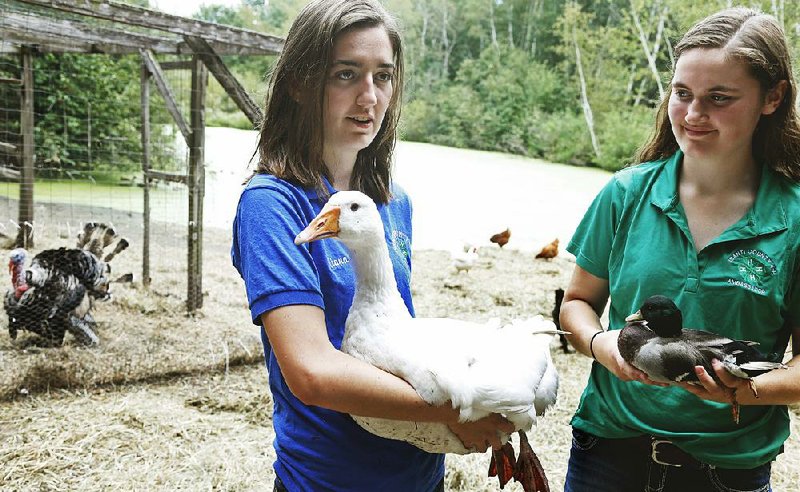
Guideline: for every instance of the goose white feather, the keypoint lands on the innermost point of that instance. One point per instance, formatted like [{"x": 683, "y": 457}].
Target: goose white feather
[{"x": 478, "y": 368}]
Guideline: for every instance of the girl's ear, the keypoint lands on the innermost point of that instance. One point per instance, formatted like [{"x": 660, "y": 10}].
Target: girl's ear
[{"x": 774, "y": 97}]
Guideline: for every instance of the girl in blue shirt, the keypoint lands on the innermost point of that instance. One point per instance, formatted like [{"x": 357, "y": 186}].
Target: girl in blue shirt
[{"x": 330, "y": 124}]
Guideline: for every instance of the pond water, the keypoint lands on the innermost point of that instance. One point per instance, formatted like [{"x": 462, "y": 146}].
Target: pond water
[{"x": 459, "y": 196}]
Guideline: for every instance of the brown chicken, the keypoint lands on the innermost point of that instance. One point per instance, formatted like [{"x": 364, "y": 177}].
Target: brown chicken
[
  {"x": 501, "y": 238},
  {"x": 549, "y": 251}
]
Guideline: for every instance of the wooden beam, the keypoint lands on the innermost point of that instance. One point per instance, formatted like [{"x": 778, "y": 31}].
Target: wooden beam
[
  {"x": 9, "y": 174},
  {"x": 4, "y": 80},
  {"x": 152, "y": 19},
  {"x": 71, "y": 35},
  {"x": 169, "y": 98},
  {"x": 225, "y": 78},
  {"x": 164, "y": 176},
  {"x": 48, "y": 35},
  {"x": 176, "y": 65},
  {"x": 25, "y": 235},
  {"x": 8, "y": 147}
]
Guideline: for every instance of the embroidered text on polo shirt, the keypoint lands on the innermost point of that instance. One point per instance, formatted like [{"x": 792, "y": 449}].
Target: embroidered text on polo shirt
[{"x": 754, "y": 268}]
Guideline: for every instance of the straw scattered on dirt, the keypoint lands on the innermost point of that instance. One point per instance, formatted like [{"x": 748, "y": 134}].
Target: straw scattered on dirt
[{"x": 172, "y": 402}]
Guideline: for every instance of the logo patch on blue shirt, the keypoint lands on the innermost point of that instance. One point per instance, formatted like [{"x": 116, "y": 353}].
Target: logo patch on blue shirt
[
  {"x": 754, "y": 268},
  {"x": 401, "y": 243}
]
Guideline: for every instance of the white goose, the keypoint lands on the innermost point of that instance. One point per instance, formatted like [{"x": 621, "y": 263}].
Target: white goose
[{"x": 479, "y": 369}]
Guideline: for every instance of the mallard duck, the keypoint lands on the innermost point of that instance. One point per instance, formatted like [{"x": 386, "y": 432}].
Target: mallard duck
[
  {"x": 478, "y": 369},
  {"x": 655, "y": 342}
]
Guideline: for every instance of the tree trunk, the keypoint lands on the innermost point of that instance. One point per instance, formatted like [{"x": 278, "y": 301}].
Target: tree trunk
[
  {"x": 587, "y": 109},
  {"x": 511, "y": 24},
  {"x": 643, "y": 38},
  {"x": 491, "y": 23}
]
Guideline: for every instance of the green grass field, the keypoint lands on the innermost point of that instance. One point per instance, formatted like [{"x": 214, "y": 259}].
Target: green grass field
[{"x": 166, "y": 204}]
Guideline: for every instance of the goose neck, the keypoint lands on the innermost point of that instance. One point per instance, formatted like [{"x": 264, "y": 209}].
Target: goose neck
[{"x": 374, "y": 273}]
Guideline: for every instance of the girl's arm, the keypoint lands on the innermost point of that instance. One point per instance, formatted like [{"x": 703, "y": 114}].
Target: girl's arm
[
  {"x": 584, "y": 301},
  {"x": 319, "y": 374}
]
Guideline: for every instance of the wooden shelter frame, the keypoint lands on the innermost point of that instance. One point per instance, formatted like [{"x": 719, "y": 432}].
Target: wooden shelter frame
[{"x": 79, "y": 26}]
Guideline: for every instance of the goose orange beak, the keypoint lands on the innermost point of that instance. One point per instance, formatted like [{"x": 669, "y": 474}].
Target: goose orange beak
[{"x": 324, "y": 225}]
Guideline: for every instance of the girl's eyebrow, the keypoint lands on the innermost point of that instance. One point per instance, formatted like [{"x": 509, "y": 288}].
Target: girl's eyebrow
[
  {"x": 716, "y": 88},
  {"x": 352, "y": 63}
]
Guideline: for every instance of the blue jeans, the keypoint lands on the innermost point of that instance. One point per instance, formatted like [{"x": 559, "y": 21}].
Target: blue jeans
[
  {"x": 625, "y": 465},
  {"x": 280, "y": 487}
]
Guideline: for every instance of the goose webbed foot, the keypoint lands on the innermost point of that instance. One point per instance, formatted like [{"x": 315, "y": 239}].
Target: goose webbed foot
[
  {"x": 529, "y": 472},
  {"x": 503, "y": 464}
]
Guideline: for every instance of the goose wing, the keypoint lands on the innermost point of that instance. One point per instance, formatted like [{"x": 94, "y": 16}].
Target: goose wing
[{"x": 480, "y": 368}]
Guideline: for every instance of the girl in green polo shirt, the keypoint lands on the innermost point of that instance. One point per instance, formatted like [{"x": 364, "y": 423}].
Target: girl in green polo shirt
[{"x": 711, "y": 218}]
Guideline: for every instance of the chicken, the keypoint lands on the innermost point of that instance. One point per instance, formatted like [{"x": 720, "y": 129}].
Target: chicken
[
  {"x": 549, "y": 251},
  {"x": 464, "y": 259},
  {"x": 501, "y": 238}
]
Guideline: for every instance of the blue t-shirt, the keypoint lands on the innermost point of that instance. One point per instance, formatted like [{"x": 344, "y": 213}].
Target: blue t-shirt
[{"x": 319, "y": 449}]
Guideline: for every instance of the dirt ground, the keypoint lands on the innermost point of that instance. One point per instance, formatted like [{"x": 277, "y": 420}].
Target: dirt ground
[{"x": 175, "y": 402}]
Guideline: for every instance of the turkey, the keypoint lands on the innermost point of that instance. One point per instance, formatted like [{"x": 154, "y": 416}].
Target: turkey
[
  {"x": 56, "y": 292},
  {"x": 47, "y": 301}
]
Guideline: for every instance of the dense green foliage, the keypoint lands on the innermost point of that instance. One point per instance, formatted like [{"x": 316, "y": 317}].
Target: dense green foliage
[
  {"x": 567, "y": 81},
  {"x": 504, "y": 74}
]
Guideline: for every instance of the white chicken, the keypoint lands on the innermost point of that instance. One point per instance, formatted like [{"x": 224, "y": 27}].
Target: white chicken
[
  {"x": 479, "y": 369},
  {"x": 464, "y": 259}
]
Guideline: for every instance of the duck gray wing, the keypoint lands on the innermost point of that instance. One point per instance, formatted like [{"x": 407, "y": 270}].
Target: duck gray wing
[
  {"x": 740, "y": 357},
  {"x": 672, "y": 360}
]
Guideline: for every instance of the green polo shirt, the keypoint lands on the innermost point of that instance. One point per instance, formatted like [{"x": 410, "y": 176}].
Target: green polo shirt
[{"x": 743, "y": 285}]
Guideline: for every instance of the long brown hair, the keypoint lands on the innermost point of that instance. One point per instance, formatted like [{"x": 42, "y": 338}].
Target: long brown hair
[
  {"x": 291, "y": 136},
  {"x": 759, "y": 42}
]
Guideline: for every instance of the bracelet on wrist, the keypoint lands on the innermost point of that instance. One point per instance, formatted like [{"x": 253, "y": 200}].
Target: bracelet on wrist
[{"x": 591, "y": 343}]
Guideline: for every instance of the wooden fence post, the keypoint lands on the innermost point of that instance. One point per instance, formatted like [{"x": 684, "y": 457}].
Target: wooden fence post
[
  {"x": 196, "y": 183},
  {"x": 25, "y": 234},
  {"x": 145, "y": 98}
]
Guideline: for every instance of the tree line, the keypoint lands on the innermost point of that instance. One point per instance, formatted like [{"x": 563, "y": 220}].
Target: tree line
[{"x": 567, "y": 81}]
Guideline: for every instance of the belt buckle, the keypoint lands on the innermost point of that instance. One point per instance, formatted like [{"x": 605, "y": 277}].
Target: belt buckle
[{"x": 654, "y": 452}]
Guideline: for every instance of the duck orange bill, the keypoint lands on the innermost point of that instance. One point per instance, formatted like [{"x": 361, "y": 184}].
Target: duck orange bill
[
  {"x": 326, "y": 224},
  {"x": 637, "y": 316}
]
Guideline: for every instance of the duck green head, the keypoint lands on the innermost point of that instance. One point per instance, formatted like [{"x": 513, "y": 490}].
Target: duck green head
[{"x": 661, "y": 314}]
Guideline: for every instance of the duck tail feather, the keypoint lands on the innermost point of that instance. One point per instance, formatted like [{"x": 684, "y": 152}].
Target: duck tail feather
[{"x": 762, "y": 366}]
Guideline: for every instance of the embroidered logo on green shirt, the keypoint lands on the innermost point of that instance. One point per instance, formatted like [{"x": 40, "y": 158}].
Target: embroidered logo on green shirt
[{"x": 754, "y": 268}]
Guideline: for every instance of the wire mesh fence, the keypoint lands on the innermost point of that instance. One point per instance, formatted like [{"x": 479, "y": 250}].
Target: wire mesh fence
[{"x": 107, "y": 120}]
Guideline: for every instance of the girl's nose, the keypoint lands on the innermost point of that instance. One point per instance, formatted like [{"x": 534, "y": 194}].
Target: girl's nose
[
  {"x": 695, "y": 111},
  {"x": 366, "y": 95}
]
